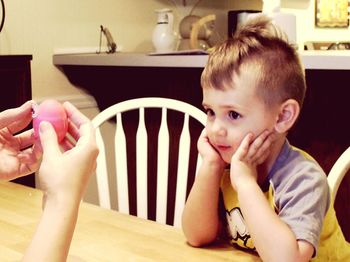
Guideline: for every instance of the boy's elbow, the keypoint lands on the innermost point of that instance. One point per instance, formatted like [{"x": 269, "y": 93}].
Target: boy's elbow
[
  {"x": 197, "y": 234},
  {"x": 199, "y": 240},
  {"x": 196, "y": 243}
]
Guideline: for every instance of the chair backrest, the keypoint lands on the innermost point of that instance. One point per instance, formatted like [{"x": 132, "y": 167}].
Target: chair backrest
[
  {"x": 158, "y": 148},
  {"x": 338, "y": 171}
]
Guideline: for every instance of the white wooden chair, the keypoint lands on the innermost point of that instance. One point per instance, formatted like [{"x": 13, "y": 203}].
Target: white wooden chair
[
  {"x": 338, "y": 171},
  {"x": 163, "y": 139}
]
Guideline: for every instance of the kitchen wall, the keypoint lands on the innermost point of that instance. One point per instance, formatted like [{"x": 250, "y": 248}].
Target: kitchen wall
[
  {"x": 305, "y": 13},
  {"x": 306, "y": 30},
  {"x": 39, "y": 27}
]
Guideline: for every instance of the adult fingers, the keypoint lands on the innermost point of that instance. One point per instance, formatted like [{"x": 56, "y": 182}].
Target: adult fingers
[
  {"x": 73, "y": 130},
  {"x": 87, "y": 134},
  {"x": 20, "y": 124},
  {"x": 66, "y": 144},
  {"x": 12, "y": 117},
  {"x": 75, "y": 115},
  {"x": 25, "y": 139},
  {"x": 31, "y": 158},
  {"x": 80, "y": 126},
  {"x": 48, "y": 139}
]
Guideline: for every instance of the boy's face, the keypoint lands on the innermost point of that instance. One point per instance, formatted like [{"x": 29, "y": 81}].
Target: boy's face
[{"x": 235, "y": 111}]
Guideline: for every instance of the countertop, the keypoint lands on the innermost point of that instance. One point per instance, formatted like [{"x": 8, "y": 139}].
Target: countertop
[
  {"x": 327, "y": 60},
  {"x": 131, "y": 59}
]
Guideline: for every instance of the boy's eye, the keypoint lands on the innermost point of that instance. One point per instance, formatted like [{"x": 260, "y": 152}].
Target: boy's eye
[
  {"x": 209, "y": 112},
  {"x": 234, "y": 115}
]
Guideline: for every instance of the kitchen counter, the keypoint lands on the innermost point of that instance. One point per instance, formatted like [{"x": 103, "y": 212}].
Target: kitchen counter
[
  {"x": 132, "y": 59},
  {"x": 327, "y": 60}
]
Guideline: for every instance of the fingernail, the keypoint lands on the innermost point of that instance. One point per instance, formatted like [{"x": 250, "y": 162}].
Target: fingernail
[
  {"x": 43, "y": 126},
  {"x": 35, "y": 108}
]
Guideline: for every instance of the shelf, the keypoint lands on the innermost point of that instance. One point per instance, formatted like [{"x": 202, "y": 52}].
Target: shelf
[
  {"x": 322, "y": 60},
  {"x": 131, "y": 59}
]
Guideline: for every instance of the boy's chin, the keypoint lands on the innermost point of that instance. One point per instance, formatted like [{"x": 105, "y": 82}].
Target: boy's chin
[
  {"x": 227, "y": 161},
  {"x": 226, "y": 158}
]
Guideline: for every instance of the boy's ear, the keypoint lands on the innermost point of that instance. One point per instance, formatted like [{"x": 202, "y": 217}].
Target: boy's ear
[{"x": 288, "y": 114}]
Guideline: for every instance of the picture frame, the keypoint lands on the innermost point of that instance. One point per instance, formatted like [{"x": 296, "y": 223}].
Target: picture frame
[{"x": 332, "y": 13}]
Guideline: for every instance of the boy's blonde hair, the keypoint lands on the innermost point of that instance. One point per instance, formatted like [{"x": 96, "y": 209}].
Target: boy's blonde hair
[{"x": 261, "y": 46}]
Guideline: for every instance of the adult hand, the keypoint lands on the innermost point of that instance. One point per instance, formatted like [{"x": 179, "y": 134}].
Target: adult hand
[
  {"x": 65, "y": 174},
  {"x": 18, "y": 154}
]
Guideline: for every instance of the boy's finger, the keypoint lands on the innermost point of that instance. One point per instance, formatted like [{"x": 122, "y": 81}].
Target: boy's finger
[
  {"x": 203, "y": 133},
  {"x": 258, "y": 143},
  {"x": 264, "y": 148},
  {"x": 243, "y": 148},
  {"x": 48, "y": 139}
]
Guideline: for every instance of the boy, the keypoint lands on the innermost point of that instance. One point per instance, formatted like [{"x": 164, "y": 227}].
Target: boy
[{"x": 276, "y": 198}]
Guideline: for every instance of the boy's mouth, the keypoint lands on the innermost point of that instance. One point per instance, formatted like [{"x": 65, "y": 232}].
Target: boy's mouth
[{"x": 223, "y": 147}]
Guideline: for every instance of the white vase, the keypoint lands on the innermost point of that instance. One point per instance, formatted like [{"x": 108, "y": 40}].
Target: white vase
[{"x": 163, "y": 37}]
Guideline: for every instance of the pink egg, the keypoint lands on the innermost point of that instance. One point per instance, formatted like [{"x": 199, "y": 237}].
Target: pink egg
[{"x": 53, "y": 112}]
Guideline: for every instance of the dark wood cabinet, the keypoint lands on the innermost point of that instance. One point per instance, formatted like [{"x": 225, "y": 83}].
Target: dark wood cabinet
[{"x": 16, "y": 88}]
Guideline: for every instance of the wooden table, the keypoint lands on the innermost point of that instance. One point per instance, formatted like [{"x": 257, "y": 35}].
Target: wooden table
[{"x": 101, "y": 235}]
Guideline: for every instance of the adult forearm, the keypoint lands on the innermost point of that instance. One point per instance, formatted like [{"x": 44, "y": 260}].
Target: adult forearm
[
  {"x": 200, "y": 219},
  {"x": 54, "y": 233}
]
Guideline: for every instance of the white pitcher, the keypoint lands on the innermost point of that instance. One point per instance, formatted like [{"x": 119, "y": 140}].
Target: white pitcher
[{"x": 163, "y": 37}]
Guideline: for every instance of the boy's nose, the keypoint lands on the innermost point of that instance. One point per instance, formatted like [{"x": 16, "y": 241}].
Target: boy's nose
[{"x": 219, "y": 128}]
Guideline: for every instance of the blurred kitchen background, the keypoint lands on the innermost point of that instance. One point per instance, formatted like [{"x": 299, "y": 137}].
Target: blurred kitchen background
[{"x": 40, "y": 27}]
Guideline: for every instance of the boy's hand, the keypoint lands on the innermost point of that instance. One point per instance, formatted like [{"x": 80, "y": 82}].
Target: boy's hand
[
  {"x": 248, "y": 156},
  {"x": 207, "y": 151}
]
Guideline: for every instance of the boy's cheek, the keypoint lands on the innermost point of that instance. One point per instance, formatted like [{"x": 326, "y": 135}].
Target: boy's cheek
[{"x": 209, "y": 135}]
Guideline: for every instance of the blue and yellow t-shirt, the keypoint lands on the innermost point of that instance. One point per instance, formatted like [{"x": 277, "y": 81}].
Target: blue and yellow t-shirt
[{"x": 298, "y": 191}]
